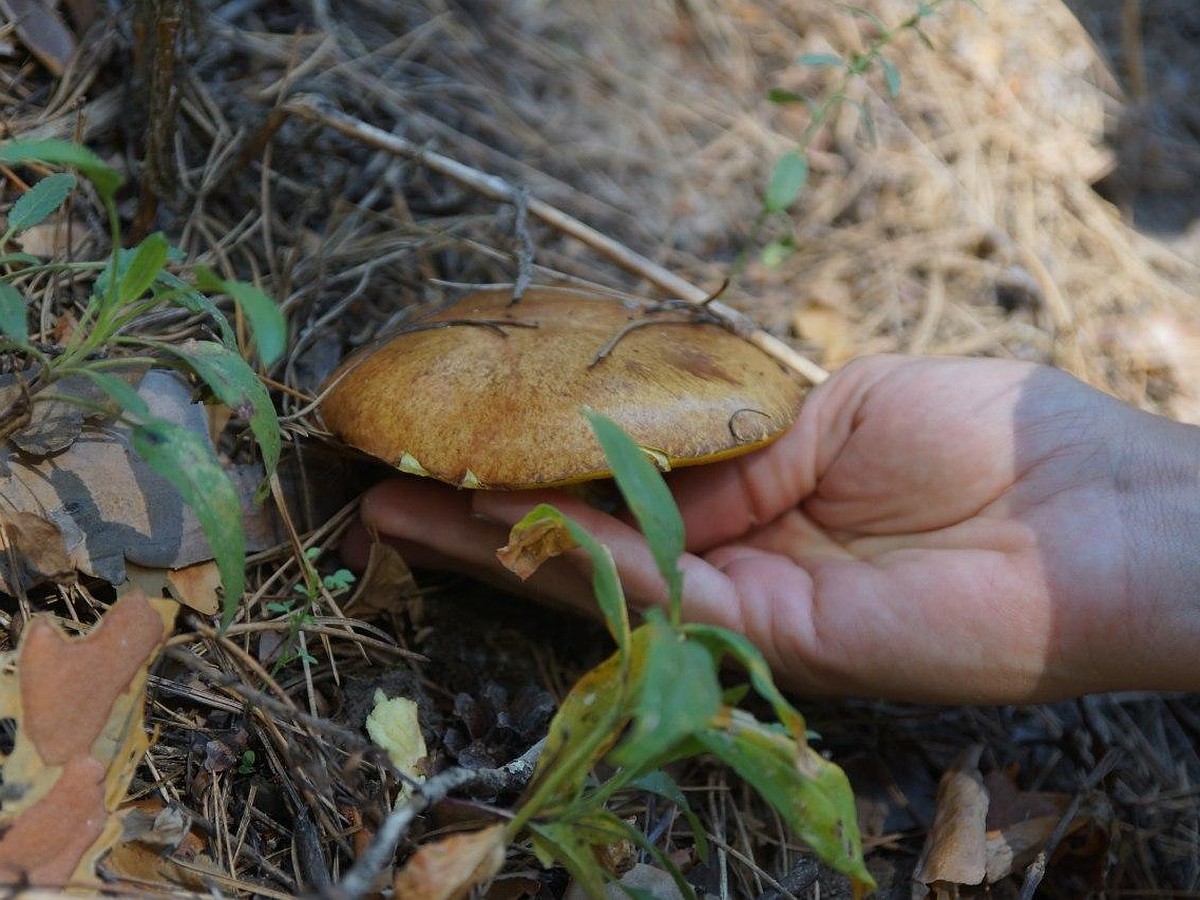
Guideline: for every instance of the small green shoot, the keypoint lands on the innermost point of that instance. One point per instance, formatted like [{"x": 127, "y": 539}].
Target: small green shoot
[
  {"x": 107, "y": 343},
  {"x": 246, "y": 762},
  {"x": 657, "y": 699},
  {"x": 790, "y": 172}
]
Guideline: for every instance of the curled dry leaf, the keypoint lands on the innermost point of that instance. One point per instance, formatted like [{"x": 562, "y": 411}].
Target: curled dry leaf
[
  {"x": 386, "y": 585},
  {"x": 955, "y": 851},
  {"x": 77, "y": 704},
  {"x": 530, "y": 545},
  {"x": 33, "y": 552},
  {"x": 193, "y": 586},
  {"x": 449, "y": 868}
]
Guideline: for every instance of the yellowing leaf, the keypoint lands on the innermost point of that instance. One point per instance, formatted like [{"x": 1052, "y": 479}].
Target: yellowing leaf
[
  {"x": 449, "y": 868},
  {"x": 393, "y": 725},
  {"x": 531, "y": 543},
  {"x": 78, "y": 709}
]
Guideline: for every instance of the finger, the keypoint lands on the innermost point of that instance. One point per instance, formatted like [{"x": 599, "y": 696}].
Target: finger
[
  {"x": 434, "y": 526},
  {"x": 708, "y": 595}
]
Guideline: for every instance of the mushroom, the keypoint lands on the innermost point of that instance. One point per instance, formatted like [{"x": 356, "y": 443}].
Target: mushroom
[{"x": 486, "y": 393}]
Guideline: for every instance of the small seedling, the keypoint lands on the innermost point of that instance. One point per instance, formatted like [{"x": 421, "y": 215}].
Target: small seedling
[
  {"x": 246, "y": 763},
  {"x": 108, "y": 343},
  {"x": 790, "y": 173},
  {"x": 657, "y": 699}
]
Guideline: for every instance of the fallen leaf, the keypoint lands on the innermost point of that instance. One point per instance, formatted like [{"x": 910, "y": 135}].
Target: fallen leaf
[
  {"x": 955, "y": 850},
  {"x": 111, "y": 507},
  {"x": 196, "y": 587},
  {"x": 385, "y": 585},
  {"x": 1012, "y": 848},
  {"x": 53, "y": 426},
  {"x": 77, "y": 702},
  {"x": 651, "y": 880},
  {"x": 33, "y": 552},
  {"x": 1018, "y": 823},
  {"x": 394, "y": 725},
  {"x": 530, "y": 546},
  {"x": 49, "y": 239},
  {"x": 42, "y": 32},
  {"x": 44, "y": 845},
  {"x": 828, "y": 328},
  {"x": 449, "y": 868}
]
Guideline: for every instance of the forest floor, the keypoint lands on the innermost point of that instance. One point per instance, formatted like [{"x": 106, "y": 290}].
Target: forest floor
[{"x": 1031, "y": 191}]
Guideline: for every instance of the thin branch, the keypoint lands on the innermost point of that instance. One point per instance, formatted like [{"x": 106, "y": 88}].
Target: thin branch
[
  {"x": 316, "y": 110},
  {"x": 362, "y": 875}
]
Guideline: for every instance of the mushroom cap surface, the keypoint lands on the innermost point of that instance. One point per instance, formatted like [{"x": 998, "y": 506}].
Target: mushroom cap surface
[{"x": 486, "y": 393}]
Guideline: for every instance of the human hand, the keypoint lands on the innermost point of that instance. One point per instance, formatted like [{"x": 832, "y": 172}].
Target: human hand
[{"x": 932, "y": 530}]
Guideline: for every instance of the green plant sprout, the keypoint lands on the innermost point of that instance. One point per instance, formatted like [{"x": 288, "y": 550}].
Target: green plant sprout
[
  {"x": 246, "y": 762},
  {"x": 104, "y": 345},
  {"x": 656, "y": 700},
  {"x": 307, "y": 590},
  {"x": 790, "y": 173}
]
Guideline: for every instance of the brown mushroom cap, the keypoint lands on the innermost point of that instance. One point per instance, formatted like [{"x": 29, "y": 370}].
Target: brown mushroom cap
[{"x": 487, "y": 393}]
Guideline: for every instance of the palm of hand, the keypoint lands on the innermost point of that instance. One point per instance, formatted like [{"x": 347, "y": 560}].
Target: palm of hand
[{"x": 939, "y": 545}]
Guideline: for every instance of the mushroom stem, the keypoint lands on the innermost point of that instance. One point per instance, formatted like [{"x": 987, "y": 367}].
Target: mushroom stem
[{"x": 317, "y": 110}]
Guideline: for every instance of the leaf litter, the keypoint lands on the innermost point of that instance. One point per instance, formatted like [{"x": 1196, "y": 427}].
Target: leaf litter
[{"x": 968, "y": 226}]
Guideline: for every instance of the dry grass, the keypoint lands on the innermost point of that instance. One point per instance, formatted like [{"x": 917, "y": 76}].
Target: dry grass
[{"x": 967, "y": 225}]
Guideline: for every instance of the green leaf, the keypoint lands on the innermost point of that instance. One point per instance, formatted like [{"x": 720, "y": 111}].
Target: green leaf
[
  {"x": 12, "y": 314},
  {"x": 266, "y": 319},
  {"x": 569, "y": 845},
  {"x": 27, "y": 259},
  {"x": 721, "y": 641},
  {"x": 587, "y": 725},
  {"x": 648, "y": 498},
  {"x": 193, "y": 301},
  {"x": 891, "y": 77},
  {"x": 663, "y": 785},
  {"x": 677, "y": 695},
  {"x": 119, "y": 390},
  {"x": 186, "y": 460},
  {"x": 146, "y": 261},
  {"x": 545, "y": 532},
  {"x": 778, "y": 251},
  {"x": 40, "y": 201},
  {"x": 236, "y": 385},
  {"x": 787, "y": 180},
  {"x": 779, "y": 95},
  {"x": 819, "y": 60},
  {"x": 811, "y": 794},
  {"x": 64, "y": 153}
]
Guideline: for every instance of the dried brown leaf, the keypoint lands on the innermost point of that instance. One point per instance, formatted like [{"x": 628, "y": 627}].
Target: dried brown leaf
[
  {"x": 33, "y": 550},
  {"x": 196, "y": 587},
  {"x": 956, "y": 849},
  {"x": 532, "y": 545},
  {"x": 449, "y": 868},
  {"x": 386, "y": 584},
  {"x": 77, "y": 703},
  {"x": 45, "y": 843}
]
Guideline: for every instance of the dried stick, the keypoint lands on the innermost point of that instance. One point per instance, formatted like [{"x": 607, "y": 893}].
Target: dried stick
[
  {"x": 357, "y": 882},
  {"x": 494, "y": 188}
]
